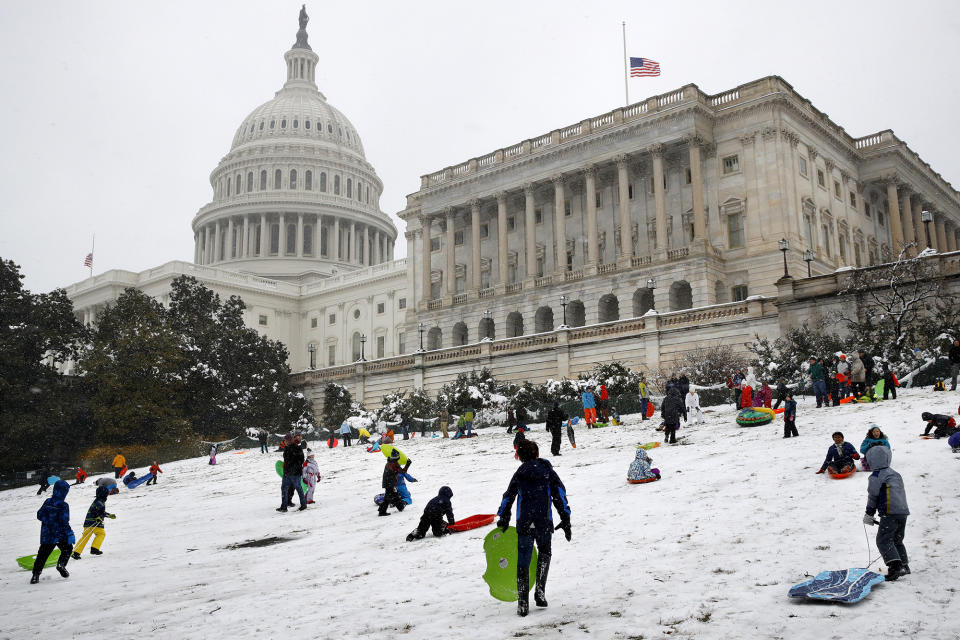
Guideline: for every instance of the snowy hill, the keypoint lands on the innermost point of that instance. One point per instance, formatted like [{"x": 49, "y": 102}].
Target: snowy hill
[{"x": 708, "y": 552}]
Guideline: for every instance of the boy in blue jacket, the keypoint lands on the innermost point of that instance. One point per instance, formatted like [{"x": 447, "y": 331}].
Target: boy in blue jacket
[
  {"x": 886, "y": 497},
  {"x": 840, "y": 455},
  {"x": 535, "y": 485},
  {"x": 55, "y": 531}
]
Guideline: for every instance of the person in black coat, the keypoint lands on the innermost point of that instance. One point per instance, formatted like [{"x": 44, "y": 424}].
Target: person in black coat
[
  {"x": 511, "y": 421},
  {"x": 262, "y": 437},
  {"x": 555, "y": 419},
  {"x": 44, "y": 485},
  {"x": 671, "y": 411},
  {"x": 889, "y": 384},
  {"x": 684, "y": 382},
  {"x": 389, "y": 483},
  {"x": 782, "y": 393},
  {"x": 535, "y": 486},
  {"x": 954, "y": 364},
  {"x": 292, "y": 473},
  {"x": 433, "y": 515},
  {"x": 867, "y": 361}
]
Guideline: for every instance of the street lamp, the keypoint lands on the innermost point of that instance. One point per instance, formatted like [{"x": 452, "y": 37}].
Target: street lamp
[
  {"x": 486, "y": 325},
  {"x": 564, "y": 303},
  {"x": 927, "y": 218},
  {"x": 784, "y": 245},
  {"x": 312, "y": 348},
  {"x": 420, "y": 328},
  {"x": 652, "y": 284},
  {"x": 808, "y": 258},
  {"x": 363, "y": 341}
]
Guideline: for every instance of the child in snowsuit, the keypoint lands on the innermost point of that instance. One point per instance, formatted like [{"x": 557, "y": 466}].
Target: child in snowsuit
[
  {"x": 790, "y": 417},
  {"x": 671, "y": 411},
  {"x": 943, "y": 425},
  {"x": 44, "y": 484},
  {"x": 262, "y": 437},
  {"x": 640, "y": 467},
  {"x": 390, "y": 496},
  {"x": 833, "y": 388},
  {"x": 874, "y": 438},
  {"x": 518, "y": 439},
  {"x": 93, "y": 525},
  {"x": 889, "y": 382},
  {"x": 693, "y": 406},
  {"x": 840, "y": 455},
  {"x": 433, "y": 515},
  {"x": 311, "y": 475},
  {"x": 81, "y": 476},
  {"x": 213, "y": 454},
  {"x": 346, "y": 434},
  {"x": 55, "y": 531},
  {"x": 155, "y": 470},
  {"x": 555, "y": 420},
  {"x": 534, "y": 485},
  {"x": 589, "y": 407},
  {"x": 886, "y": 497}
]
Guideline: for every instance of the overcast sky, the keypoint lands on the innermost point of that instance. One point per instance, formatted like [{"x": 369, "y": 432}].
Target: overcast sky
[{"x": 115, "y": 113}]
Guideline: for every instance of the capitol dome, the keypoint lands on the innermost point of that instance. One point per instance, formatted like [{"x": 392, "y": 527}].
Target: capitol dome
[{"x": 295, "y": 196}]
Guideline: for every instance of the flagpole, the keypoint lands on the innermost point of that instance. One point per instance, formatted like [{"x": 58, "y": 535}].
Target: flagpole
[
  {"x": 93, "y": 244},
  {"x": 626, "y": 89}
]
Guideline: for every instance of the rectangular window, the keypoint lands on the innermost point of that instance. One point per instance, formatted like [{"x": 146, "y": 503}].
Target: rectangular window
[
  {"x": 332, "y": 318},
  {"x": 539, "y": 267},
  {"x": 511, "y": 223},
  {"x": 313, "y": 323},
  {"x": 630, "y": 191},
  {"x": 731, "y": 164},
  {"x": 401, "y": 344},
  {"x": 738, "y": 293},
  {"x": 461, "y": 284},
  {"x": 853, "y": 200},
  {"x": 687, "y": 176},
  {"x": 331, "y": 355},
  {"x": 836, "y": 190},
  {"x": 380, "y": 341},
  {"x": 484, "y": 279},
  {"x": 538, "y": 215},
  {"x": 599, "y": 200},
  {"x": 458, "y": 238},
  {"x": 511, "y": 273},
  {"x": 566, "y": 209},
  {"x": 569, "y": 261},
  {"x": 435, "y": 290},
  {"x": 262, "y": 320},
  {"x": 867, "y": 211},
  {"x": 808, "y": 228},
  {"x": 843, "y": 248},
  {"x": 803, "y": 166},
  {"x": 380, "y": 307},
  {"x": 880, "y": 217},
  {"x": 735, "y": 229},
  {"x": 821, "y": 179},
  {"x": 402, "y": 303},
  {"x": 484, "y": 231},
  {"x": 434, "y": 244},
  {"x": 825, "y": 234}
]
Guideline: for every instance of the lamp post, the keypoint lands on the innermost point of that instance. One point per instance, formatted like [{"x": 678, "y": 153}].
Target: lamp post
[
  {"x": 784, "y": 245},
  {"x": 808, "y": 258},
  {"x": 312, "y": 348},
  {"x": 420, "y": 328},
  {"x": 486, "y": 325},
  {"x": 363, "y": 341},
  {"x": 927, "y": 218},
  {"x": 564, "y": 303},
  {"x": 652, "y": 284}
]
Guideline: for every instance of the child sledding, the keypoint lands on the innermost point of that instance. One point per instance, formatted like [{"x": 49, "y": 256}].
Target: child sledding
[
  {"x": 943, "y": 426},
  {"x": 640, "y": 471},
  {"x": 433, "y": 515},
  {"x": 840, "y": 457}
]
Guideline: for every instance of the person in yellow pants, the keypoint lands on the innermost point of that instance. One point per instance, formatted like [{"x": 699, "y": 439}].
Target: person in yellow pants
[{"x": 93, "y": 525}]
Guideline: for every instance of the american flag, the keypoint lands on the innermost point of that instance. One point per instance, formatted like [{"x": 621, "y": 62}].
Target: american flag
[
  {"x": 643, "y": 68},
  {"x": 88, "y": 261}
]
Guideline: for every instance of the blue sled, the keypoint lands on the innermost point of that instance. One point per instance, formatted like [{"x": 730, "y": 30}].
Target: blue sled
[
  {"x": 139, "y": 481},
  {"x": 848, "y": 585}
]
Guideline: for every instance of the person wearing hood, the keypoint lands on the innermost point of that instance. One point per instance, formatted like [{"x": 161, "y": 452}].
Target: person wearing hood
[
  {"x": 671, "y": 411},
  {"x": 943, "y": 425},
  {"x": 93, "y": 525},
  {"x": 155, "y": 471},
  {"x": 840, "y": 455},
  {"x": 292, "y": 473},
  {"x": 555, "y": 419},
  {"x": 640, "y": 467},
  {"x": 790, "y": 417},
  {"x": 535, "y": 486},
  {"x": 887, "y": 498},
  {"x": 858, "y": 376},
  {"x": 389, "y": 483},
  {"x": 843, "y": 376},
  {"x": 346, "y": 434},
  {"x": 519, "y": 437},
  {"x": 311, "y": 475},
  {"x": 589, "y": 407},
  {"x": 604, "y": 403},
  {"x": 890, "y": 382},
  {"x": 433, "y": 515},
  {"x": 764, "y": 396},
  {"x": 55, "y": 531},
  {"x": 119, "y": 464},
  {"x": 81, "y": 476},
  {"x": 692, "y": 402}
]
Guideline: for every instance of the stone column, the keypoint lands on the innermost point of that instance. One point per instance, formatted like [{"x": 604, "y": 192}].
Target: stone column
[
  {"x": 450, "y": 252},
  {"x": 365, "y": 255},
  {"x": 696, "y": 189},
  {"x": 559, "y": 226},
  {"x": 938, "y": 221},
  {"x": 475, "y": 244},
  {"x": 196, "y": 248},
  {"x": 951, "y": 235},
  {"x": 264, "y": 235},
  {"x": 917, "y": 207},
  {"x": 376, "y": 254},
  {"x": 530, "y": 230},
  {"x": 593, "y": 238},
  {"x": 659, "y": 197},
  {"x": 245, "y": 252},
  {"x": 352, "y": 247},
  {"x": 502, "y": 238},
  {"x": 217, "y": 251},
  {"x": 411, "y": 270},
  {"x": 282, "y": 244},
  {"x": 299, "y": 250},
  {"x": 626, "y": 226},
  {"x": 425, "y": 259},
  {"x": 896, "y": 225},
  {"x": 231, "y": 245},
  {"x": 335, "y": 240}
]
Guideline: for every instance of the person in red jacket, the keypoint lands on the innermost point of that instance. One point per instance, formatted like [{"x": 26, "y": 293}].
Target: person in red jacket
[
  {"x": 155, "y": 470},
  {"x": 81, "y": 476},
  {"x": 604, "y": 403}
]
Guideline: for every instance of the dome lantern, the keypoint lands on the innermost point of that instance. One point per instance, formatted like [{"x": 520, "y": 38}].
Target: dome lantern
[{"x": 301, "y": 60}]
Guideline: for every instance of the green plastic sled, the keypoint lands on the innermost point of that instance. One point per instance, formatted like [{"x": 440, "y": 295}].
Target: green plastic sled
[
  {"x": 878, "y": 389},
  {"x": 500, "y": 548},
  {"x": 26, "y": 562},
  {"x": 280, "y": 473}
]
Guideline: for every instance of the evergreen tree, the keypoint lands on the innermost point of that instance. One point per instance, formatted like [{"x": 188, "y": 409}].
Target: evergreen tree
[{"x": 337, "y": 405}]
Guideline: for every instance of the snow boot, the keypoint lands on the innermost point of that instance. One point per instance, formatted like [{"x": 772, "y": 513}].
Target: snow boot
[
  {"x": 905, "y": 569},
  {"x": 893, "y": 570},
  {"x": 523, "y": 591},
  {"x": 303, "y": 507},
  {"x": 35, "y": 578},
  {"x": 62, "y": 566},
  {"x": 540, "y": 591},
  {"x": 282, "y": 509},
  {"x": 75, "y": 555},
  {"x": 96, "y": 551}
]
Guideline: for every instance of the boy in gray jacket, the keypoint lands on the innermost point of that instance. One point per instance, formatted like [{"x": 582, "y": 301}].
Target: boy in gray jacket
[{"x": 886, "y": 497}]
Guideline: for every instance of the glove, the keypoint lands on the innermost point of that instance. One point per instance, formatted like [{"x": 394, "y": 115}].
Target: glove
[
  {"x": 71, "y": 538},
  {"x": 868, "y": 519},
  {"x": 112, "y": 516},
  {"x": 821, "y": 471},
  {"x": 503, "y": 524},
  {"x": 565, "y": 525}
]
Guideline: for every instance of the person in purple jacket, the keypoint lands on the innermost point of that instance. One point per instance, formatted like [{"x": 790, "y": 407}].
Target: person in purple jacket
[{"x": 840, "y": 455}]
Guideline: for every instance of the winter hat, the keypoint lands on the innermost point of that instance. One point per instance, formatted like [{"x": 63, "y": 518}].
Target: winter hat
[
  {"x": 309, "y": 453},
  {"x": 926, "y": 415},
  {"x": 394, "y": 455},
  {"x": 843, "y": 356}
]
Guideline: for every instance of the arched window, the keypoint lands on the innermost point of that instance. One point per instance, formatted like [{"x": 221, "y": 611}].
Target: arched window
[
  {"x": 306, "y": 124},
  {"x": 336, "y": 185},
  {"x": 434, "y": 338},
  {"x": 323, "y": 182},
  {"x": 356, "y": 346},
  {"x": 576, "y": 314},
  {"x": 308, "y": 180},
  {"x": 283, "y": 123},
  {"x": 296, "y": 124},
  {"x": 228, "y": 186},
  {"x": 274, "y": 239},
  {"x": 514, "y": 324},
  {"x": 459, "y": 334},
  {"x": 642, "y": 301},
  {"x": 261, "y": 125},
  {"x": 358, "y": 191},
  {"x": 486, "y": 328},
  {"x": 291, "y": 239},
  {"x": 263, "y": 180},
  {"x": 329, "y": 128},
  {"x": 349, "y": 188},
  {"x": 249, "y": 181},
  {"x": 308, "y": 239},
  {"x": 273, "y": 123},
  {"x": 238, "y": 182},
  {"x": 543, "y": 320},
  {"x": 681, "y": 296},
  {"x": 277, "y": 178},
  {"x": 608, "y": 309},
  {"x": 293, "y": 178}
]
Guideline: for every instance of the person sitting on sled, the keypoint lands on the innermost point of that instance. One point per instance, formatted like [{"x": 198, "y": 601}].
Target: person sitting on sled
[
  {"x": 433, "y": 515},
  {"x": 875, "y": 437},
  {"x": 840, "y": 455},
  {"x": 93, "y": 525},
  {"x": 943, "y": 425},
  {"x": 640, "y": 467}
]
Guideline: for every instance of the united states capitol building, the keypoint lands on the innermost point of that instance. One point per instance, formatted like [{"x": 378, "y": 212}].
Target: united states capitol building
[{"x": 636, "y": 234}]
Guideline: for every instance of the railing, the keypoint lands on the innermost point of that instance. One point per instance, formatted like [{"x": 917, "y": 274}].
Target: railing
[
  {"x": 543, "y": 281},
  {"x": 438, "y": 176},
  {"x": 461, "y": 169},
  {"x": 542, "y": 141},
  {"x": 487, "y": 160},
  {"x": 635, "y": 110},
  {"x": 569, "y": 276},
  {"x": 703, "y": 315},
  {"x": 284, "y": 197},
  {"x": 670, "y": 98},
  {"x": 600, "y": 121},
  {"x": 434, "y": 304},
  {"x": 486, "y": 293},
  {"x": 724, "y": 98},
  {"x": 514, "y": 344},
  {"x": 460, "y": 298},
  {"x": 611, "y": 328},
  {"x": 395, "y": 266},
  {"x": 868, "y": 141},
  {"x": 513, "y": 151},
  {"x": 678, "y": 254},
  {"x": 570, "y": 131},
  {"x": 639, "y": 261},
  {"x": 607, "y": 268},
  {"x": 513, "y": 287}
]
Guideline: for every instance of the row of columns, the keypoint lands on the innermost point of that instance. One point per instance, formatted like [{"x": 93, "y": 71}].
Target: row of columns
[
  {"x": 589, "y": 175},
  {"x": 208, "y": 249},
  {"x": 906, "y": 226}
]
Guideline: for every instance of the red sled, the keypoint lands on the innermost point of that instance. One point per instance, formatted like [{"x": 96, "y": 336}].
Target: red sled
[
  {"x": 473, "y": 522},
  {"x": 332, "y": 442},
  {"x": 644, "y": 480},
  {"x": 650, "y": 411},
  {"x": 847, "y": 399},
  {"x": 780, "y": 410}
]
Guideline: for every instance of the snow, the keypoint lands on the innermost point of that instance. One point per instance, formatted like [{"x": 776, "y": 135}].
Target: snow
[{"x": 709, "y": 551}]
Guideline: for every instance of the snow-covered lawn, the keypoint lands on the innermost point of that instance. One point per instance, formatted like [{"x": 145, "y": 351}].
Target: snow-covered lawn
[{"x": 708, "y": 552}]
